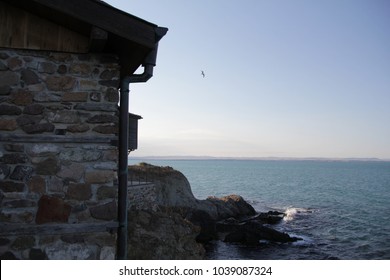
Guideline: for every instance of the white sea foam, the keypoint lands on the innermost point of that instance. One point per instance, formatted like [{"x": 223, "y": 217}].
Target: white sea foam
[{"x": 291, "y": 212}]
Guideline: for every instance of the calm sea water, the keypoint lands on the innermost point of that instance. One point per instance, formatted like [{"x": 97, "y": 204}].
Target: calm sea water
[{"x": 340, "y": 209}]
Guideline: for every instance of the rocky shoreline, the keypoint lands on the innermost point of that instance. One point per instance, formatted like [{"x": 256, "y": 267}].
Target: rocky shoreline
[{"x": 166, "y": 221}]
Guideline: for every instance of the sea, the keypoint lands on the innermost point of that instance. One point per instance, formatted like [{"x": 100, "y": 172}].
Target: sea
[{"x": 340, "y": 209}]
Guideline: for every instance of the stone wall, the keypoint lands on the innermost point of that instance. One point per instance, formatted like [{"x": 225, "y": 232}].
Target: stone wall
[{"x": 58, "y": 155}]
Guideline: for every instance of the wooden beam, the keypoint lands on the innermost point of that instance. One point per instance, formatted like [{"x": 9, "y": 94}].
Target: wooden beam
[
  {"x": 7, "y": 229},
  {"x": 24, "y": 30},
  {"x": 105, "y": 17}
]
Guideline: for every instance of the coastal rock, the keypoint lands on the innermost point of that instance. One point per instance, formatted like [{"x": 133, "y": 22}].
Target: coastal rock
[
  {"x": 171, "y": 186},
  {"x": 228, "y": 206},
  {"x": 162, "y": 236},
  {"x": 179, "y": 222},
  {"x": 172, "y": 189},
  {"x": 252, "y": 232},
  {"x": 208, "y": 227}
]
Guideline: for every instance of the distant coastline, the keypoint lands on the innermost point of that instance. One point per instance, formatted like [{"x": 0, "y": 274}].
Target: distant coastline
[{"x": 143, "y": 158}]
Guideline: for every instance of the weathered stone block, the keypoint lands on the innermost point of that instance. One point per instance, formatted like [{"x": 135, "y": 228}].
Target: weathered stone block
[
  {"x": 47, "y": 67},
  {"x": 88, "y": 85},
  {"x": 60, "y": 83},
  {"x": 33, "y": 109},
  {"x": 16, "y": 216},
  {"x": 64, "y": 117},
  {"x": 110, "y": 155},
  {"x": 43, "y": 150},
  {"x": 72, "y": 172},
  {"x": 29, "y": 77},
  {"x": 80, "y": 155},
  {"x": 1, "y": 196},
  {"x": 25, "y": 120},
  {"x": 79, "y": 191},
  {"x": 8, "y": 78},
  {"x": 9, "y": 110},
  {"x": 37, "y": 254},
  {"x": 95, "y": 96},
  {"x": 3, "y": 67},
  {"x": 52, "y": 209},
  {"x": 14, "y": 63},
  {"x": 106, "y": 192},
  {"x": 19, "y": 203},
  {"x": 78, "y": 128},
  {"x": 106, "y": 211},
  {"x": 105, "y": 165},
  {"x": 21, "y": 97},
  {"x": 75, "y": 251},
  {"x": 37, "y": 184},
  {"x": 36, "y": 88},
  {"x": 55, "y": 184},
  {"x": 23, "y": 242},
  {"x": 22, "y": 173},
  {"x": 4, "y": 241},
  {"x": 8, "y": 125},
  {"x": 107, "y": 129},
  {"x": 14, "y": 147},
  {"x": 75, "y": 97},
  {"x": 4, "y": 171},
  {"x": 109, "y": 83},
  {"x": 83, "y": 69},
  {"x": 4, "y": 90},
  {"x": 99, "y": 176},
  {"x": 103, "y": 118},
  {"x": 47, "y": 97},
  {"x": 14, "y": 158},
  {"x": 73, "y": 238},
  {"x": 8, "y": 256},
  {"x": 112, "y": 95},
  {"x": 62, "y": 69},
  {"x": 10, "y": 186},
  {"x": 107, "y": 253},
  {"x": 97, "y": 107},
  {"x": 109, "y": 75},
  {"x": 49, "y": 166},
  {"x": 38, "y": 128}
]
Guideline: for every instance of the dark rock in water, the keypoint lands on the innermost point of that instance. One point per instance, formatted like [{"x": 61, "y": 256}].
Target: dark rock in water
[
  {"x": 205, "y": 222},
  {"x": 229, "y": 224},
  {"x": 252, "y": 232},
  {"x": 231, "y": 206},
  {"x": 271, "y": 217}
]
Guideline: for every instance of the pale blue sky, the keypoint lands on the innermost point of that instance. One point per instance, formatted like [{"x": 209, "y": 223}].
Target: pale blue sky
[{"x": 283, "y": 78}]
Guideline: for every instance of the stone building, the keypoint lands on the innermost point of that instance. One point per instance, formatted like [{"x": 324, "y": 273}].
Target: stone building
[{"x": 63, "y": 137}]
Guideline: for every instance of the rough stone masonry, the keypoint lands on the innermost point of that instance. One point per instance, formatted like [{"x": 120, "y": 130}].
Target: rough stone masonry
[{"x": 58, "y": 117}]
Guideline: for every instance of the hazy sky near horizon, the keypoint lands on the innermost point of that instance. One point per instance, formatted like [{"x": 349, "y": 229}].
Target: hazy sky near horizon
[{"x": 283, "y": 78}]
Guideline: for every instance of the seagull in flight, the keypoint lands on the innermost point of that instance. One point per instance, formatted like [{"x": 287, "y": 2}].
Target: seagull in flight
[{"x": 202, "y": 73}]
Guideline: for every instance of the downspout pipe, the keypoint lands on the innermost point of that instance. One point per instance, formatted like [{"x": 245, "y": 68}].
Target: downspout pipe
[{"x": 148, "y": 64}]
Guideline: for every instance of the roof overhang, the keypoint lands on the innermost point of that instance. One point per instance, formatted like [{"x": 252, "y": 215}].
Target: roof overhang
[{"x": 109, "y": 29}]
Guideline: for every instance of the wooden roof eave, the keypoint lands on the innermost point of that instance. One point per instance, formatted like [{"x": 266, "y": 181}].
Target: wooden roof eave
[{"x": 80, "y": 15}]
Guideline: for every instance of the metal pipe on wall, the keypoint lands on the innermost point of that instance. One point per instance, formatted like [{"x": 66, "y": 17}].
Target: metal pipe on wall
[{"x": 148, "y": 64}]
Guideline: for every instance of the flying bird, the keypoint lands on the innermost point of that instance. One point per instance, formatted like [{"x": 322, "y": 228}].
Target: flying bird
[{"x": 202, "y": 73}]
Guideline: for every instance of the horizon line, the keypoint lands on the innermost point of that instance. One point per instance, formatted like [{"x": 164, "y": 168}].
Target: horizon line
[{"x": 258, "y": 158}]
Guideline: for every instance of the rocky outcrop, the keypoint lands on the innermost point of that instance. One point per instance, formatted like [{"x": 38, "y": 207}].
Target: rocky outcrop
[
  {"x": 170, "y": 188},
  {"x": 166, "y": 221},
  {"x": 162, "y": 236}
]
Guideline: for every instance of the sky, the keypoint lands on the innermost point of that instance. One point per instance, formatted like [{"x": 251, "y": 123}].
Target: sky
[{"x": 283, "y": 78}]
